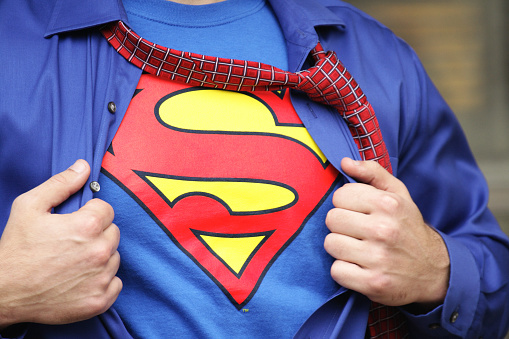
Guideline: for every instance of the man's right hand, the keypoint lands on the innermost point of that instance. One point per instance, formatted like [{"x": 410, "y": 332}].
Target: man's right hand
[{"x": 58, "y": 268}]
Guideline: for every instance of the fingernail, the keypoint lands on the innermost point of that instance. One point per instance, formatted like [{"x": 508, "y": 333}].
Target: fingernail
[{"x": 78, "y": 166}]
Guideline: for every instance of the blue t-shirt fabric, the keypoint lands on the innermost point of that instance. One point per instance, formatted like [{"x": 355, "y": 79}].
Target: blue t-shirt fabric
[
  {"x": 236, "y": 29},
  {"x": 166, "y": 294}
]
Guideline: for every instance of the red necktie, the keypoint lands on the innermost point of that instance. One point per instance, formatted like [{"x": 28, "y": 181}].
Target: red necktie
[{"x": 327, "y": 82}]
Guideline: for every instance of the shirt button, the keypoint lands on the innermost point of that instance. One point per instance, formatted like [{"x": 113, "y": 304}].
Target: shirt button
[
  {"x": 95, "y": 187},
  {"x": 112, "y": 108},
  {"x": 454, "y": 317}
]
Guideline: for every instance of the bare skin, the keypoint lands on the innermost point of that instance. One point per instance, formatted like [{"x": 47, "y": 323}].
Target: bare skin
[
  {"x": 382, "y": 246},
  {"x": 60, "y": 268}
]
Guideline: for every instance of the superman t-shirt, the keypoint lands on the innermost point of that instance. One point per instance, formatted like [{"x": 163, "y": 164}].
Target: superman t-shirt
[{"x": 221, "y": 199}]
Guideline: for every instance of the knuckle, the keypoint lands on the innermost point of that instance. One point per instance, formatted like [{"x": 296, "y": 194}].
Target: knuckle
[
  {"x": 387, "y": 233},
  {"x": 115, "y": 239},
  {"x": 115, "y": 258},
  {"x": 332, "y": 246},
  {"x": 349, "y": 185},
  {"x": 112, "y": 237},
  {"x": 21, "y": 201},
  {"x": 390, "y": 204},
  {"x": 330, "y": 217},
  {"x": 380, "y": 256},
  {"x": 107, "y": 208},
  {"x": 91, "y": 224},
  {"x": 102, "y": 281},
  {"x": 104, "y": 295},
  {"x": 103, "y": 207},
  {"x": 379, "y": 285},
  {"x": 100, "y": 255},
  {"x": 329, "y": 243},
  {"x": 97, "y": 304},
  {"x": 116, "y": 231},
  {"x": 337, "y": 197},
  {"x": 120, "y": 285},
  {"x": 335, "y": 272}
]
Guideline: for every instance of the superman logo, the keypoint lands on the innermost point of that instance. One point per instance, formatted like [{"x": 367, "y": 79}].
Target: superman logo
[{"x": 231, "y": 177}]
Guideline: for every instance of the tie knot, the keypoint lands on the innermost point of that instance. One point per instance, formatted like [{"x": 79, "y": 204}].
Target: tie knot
[{"x": 330, "y": 83}]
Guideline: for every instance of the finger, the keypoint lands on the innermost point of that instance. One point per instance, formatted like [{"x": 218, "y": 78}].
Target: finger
[
  {"x": 345, "y": 248},
  {"x": 59, "y": 187},
  {"x": 356, "y": 197},
  {"x": 115, "y": 285},
  {"x": 111, "y": 294},
  {"x": 349, "y": 275},
  {"x": 96, "y": 216},
  {"x": 349, "y": 223},
  {"x": 113, "y": 264},
  {"x": 108, "y": 277},
  {"x": 112, "y": 236},
  {"x": 371, "y": 173},
  {"x": 114, "y": 289}
]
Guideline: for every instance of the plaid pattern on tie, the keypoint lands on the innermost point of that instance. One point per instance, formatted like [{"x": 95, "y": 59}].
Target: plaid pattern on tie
[
  {"x": 386, "y": 322},
  {"x": 327, "y": 82}
]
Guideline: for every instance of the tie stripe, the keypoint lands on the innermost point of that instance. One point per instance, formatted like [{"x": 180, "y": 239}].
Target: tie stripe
[{"x": 327, "y": 82}]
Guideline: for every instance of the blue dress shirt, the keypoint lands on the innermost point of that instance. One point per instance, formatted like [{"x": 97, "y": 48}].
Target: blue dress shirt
[{"x": 59, "y": 75}]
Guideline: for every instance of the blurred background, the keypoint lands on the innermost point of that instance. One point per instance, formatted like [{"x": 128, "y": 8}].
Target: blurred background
[{"x": 464, "y": 46}]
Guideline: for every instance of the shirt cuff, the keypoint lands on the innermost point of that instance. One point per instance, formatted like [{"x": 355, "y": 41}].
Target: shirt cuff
[{"x": 456, "y": 314}]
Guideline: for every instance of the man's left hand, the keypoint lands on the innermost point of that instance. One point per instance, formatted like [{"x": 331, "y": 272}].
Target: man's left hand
[{"x": 382, "y": 246}]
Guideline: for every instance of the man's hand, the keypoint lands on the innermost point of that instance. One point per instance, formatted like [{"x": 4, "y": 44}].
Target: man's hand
[
  {"x": 55, "y": 268},
  {"x": 382, "y": 246}
]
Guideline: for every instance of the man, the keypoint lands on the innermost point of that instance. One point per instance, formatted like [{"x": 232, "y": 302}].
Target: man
[{"x": 238, "y": 211}]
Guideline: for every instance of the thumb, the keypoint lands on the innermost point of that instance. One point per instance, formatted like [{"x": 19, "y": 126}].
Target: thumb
[
  {"x": 373, "y": 174},
  {"x": 59, "y": 187}
]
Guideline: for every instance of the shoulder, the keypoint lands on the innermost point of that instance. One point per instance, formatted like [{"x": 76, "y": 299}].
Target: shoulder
[
  {"x": 348, "y": 12},
  {"x": 357, "y": 20},
  {"x": 357, "y": 25}
]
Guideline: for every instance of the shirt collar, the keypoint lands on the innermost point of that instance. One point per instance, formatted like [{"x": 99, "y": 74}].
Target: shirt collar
[
  {"x": 71, "y": 15},
  {"x": 299, "y": 18}
]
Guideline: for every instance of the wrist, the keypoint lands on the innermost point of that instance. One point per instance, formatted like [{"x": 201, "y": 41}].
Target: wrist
[
  {"x": 6, "y": 312},
  {"x": 8, "y": 286},
  {"x": 436, "y": 287}
]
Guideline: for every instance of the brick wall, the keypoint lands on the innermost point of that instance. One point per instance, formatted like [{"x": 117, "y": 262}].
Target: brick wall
[{"x": 448, "y": 37}]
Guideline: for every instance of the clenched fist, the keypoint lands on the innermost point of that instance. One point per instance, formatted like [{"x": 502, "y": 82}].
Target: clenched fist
[
  {"x": 58, "y": 268},
  {"x": 382, "y": 246}
]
